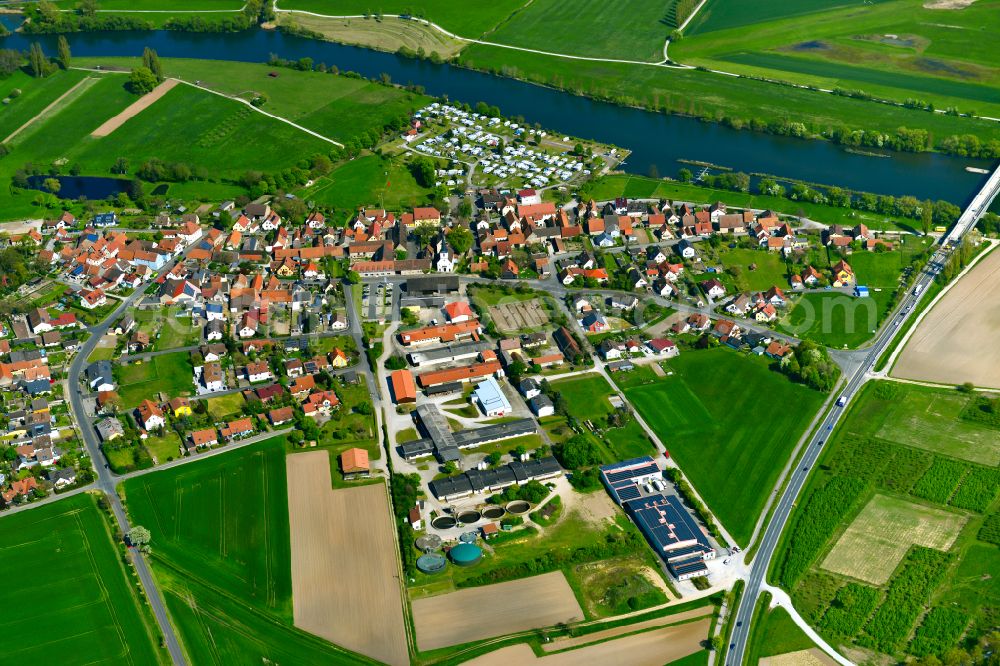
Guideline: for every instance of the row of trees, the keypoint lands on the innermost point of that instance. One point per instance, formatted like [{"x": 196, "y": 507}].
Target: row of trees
[{"x": 46, "y": 18}]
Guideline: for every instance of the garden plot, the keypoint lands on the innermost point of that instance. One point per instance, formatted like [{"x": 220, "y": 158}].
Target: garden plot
[
  {"x": 519, "y": 316},
  {"x": 877, "y": 540}
]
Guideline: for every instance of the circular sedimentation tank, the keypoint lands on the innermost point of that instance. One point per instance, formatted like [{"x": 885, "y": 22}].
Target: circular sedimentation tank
[
  {"x": 431, "y": 563},
  {"x": 444, "y": 522},
  {"x": 468, "y": 537},
  {"x": 469, "y": 517},
  {"x": 429, "y": 543},
  {"x": 518, "y": 507},
  {"x": 493, "y": 512},
  {"x": 466, "y": 554}
]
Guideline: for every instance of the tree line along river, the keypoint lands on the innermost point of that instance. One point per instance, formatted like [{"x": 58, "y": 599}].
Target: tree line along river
[{"x": 654, "y": 139}]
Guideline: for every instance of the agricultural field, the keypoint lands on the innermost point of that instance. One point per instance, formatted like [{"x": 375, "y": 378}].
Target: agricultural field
[
  {"x": 466, "y": 19},
  {"x": 170, "y": 374},
  {"x": 888, "y": 530},
  {"x": 221, "y": 555},
  {"x": 932, "y": 419},
  {"x": 34, "y": 98},
  {"x": 704, "y": 414},
  {"x": 950, "y": 344},
  {"x": 679, "y": 644},
  {"x": 723, "y": 14},
  {"x": 224, "y": 407},
  {"x": 343, "y": 547},
  {"x": 628, "y": 29},
  {"x": 494, "y": 610},
  {"x": 389, "y": 34},
  {"x": 879, "y": 537},
  {"x": 86, "y": 607},
  {"x": 771, "y": 271},
  {"x": 214, "y": 140},
  {"x": 897, "y": 49},
  {"x": 339, "y": 107}
]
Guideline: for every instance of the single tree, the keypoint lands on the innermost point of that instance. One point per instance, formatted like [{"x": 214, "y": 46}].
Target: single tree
[
  {"x": 141, "y": 80},
  {"x": 460, "y": 239},
  {"x": 151, "y": 61},
  {"x": 926, "y": 216},
  {"x": 37, "y": 60},
  {"x": 64, "y": 54},
  {"x": 87, "y": 7},
  {"x": 52, "y": 185},
  {"x": 139, "y": 536}
]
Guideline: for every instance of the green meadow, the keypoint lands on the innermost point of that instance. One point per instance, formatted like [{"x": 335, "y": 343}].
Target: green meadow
[
  {"x": 73, "y": 601},
  {"x": 626, "y": 29},
  {"x": 462, "y": 17},
  {"x": 171, "y": 374},
  {"x": 897, "y": 49},
  {"x": 718, "y": 416}
]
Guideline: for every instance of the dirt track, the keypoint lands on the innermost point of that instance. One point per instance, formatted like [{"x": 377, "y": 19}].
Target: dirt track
[
  {"x": 345, "y": 586},
  {"x": 955, "y": 342},
  {"x": 494, "y": 610},
  {"x": 565, "y": 643},
  {"x": 651, "y": 648},
  {"x": 810, "y": 657},
  {"x": 134, "y": 109}
]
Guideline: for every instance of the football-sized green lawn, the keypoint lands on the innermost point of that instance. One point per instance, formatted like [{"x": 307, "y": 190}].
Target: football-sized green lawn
[
  {"x": 73, "y": 598},
  {"x": 221, "y": 555},
  {"x": 723, "y": 14},
  {"x": 171, "y": 374},
  {"x": 466, "y": 18},
  {"x": 835, "y": 319},
  {"x": 626, "y": 29},
  {"x": 731, "y": 424}
]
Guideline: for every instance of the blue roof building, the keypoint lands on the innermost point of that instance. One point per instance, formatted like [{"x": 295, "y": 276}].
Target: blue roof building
[
  {"x": 622, "y": 479},
  {"x": 490, "y": 397},
  {"x": 673, "y": 534}
]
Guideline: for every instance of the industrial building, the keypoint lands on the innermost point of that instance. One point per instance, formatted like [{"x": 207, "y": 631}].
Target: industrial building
[
  {"x": 477, "y": 481},
  {"x": 673, "y": 534},
  {"x": 637, "y": 486},
  {"x": 623, "y": 479}
]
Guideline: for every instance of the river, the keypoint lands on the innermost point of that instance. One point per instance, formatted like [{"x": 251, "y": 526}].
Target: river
[{"x": 654, "y": 139}]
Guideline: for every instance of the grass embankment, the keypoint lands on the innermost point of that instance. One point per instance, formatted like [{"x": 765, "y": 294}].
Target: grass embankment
[
  {"x": 710, "y": 414},
  {"x": 464, "y": 19},
  {"x": 895, "y": 50},
  {"x": 704, "y": 94},
  {"x": 83, "y": 605},
  {"x": 221, "y": 556},
  {"x": 642, "y": 187}
]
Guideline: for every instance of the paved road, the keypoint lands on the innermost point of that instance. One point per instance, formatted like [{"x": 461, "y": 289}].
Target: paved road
[
  {"x": 105, "y": 480},
  {"x": 855, "y": 381}
]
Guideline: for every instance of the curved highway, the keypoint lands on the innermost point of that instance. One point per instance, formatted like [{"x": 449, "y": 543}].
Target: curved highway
[{"x": 735, "y": 651}]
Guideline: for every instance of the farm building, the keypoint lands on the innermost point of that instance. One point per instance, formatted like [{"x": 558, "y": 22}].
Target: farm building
[
  {"x": 354, "y": 461},
  {"x": 440, "y": 439},
  {"x": 431, "y": 285},
  {"x": 491, "y": 399},
  {"x": 491, "y": 480},
  {"x": 404, "y": 389},
  {"x": 449, "y": 353}
]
